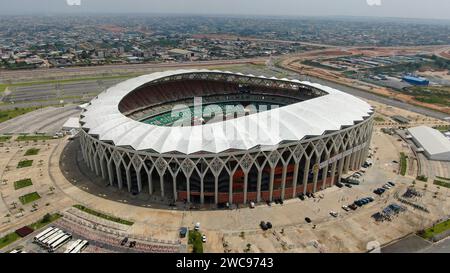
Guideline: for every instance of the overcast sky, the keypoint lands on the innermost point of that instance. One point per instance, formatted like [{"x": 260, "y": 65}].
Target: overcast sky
[{"x": 432, "y": 9}]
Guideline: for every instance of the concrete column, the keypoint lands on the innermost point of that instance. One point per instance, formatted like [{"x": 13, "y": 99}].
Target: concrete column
[
  {"x": 102, "y": 168},
  {"x": 188, "y": 189},
  {"x": 230, "y": 189},
  {"x": 333, "y": 171},
  {"x": 316, "y": 175},
  {"x": 202, "y": 193},
  {"x": 294, "y": 182},
  {"x": 283, "y": 181},
  {"x": 324, "y": 176},
  {"x": 245, "y": 186},
  {"x": 161, "y": 183},
  {"x": 96, "y": 165},
  {"x": 340, "y": 168},
  {"x": 175, "y": 197},
  {"x": 305, "y": 174},
  {"x": 216, "y": 189},
  {"x": 150, "y": 182},
  {"x": 119, "y": 176},
  {"x": 258, "y": 185},
  {"x": 110, "y": 173},
  {"x": 139, "y": 179},
  {"x": 272, "y": 176},
  {"x": 128, "y": 173},
  {"x": 346, "y": 163}
]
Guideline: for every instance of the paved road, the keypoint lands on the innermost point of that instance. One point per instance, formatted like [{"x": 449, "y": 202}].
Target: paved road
[{"x": 47, "y": 120}]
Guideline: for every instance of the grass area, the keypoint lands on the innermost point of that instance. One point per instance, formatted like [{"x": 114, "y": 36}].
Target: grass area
[
  {"x": 47, "y": 219},
  {"x": 436, "y": 229},
  {"x": 22, "y": 183},
  {"x": 104, "y": 216},
  {"x": 8, "y": 239},
  {"x": 443, "y": 178},
  {"x": 195, "y": 239},
  {"x": 442, "y": 183},
  {"x": 32, "y": 151},
  {"x": 11, "y": 237},
  {"x": 24, "y": 164},
  {"x": 378, "y": 119},
  {"x": 403, "y": 164},
  {"x": 4, "y": 138},
  {"x": 28, "y": 198},
  {"x": 422, "y": 178},
  {"x": 33, "y": 137},
  {"x": 10, "y": 114}
]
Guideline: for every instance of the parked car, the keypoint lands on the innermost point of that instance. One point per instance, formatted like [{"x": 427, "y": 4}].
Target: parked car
[
  {"x": 252, "y": 205},
  {"x": 308, "y": 220},
  {"x": 371, "y": 199},
  {"x": 348, "y": 185},
  {"x": 339, "y": 185},
  {"x": 263, "y": 225},
  {"x": 269, "y": 203},
  {"x": 269, "y": 225},
  {"x": 391, "y": 183},
  {"x": 197, "y": 226},
  {"x": 132, "y": 244},
  {"x": 346, "y": 208},
  {"x": 124, "y": 241},
  {"x": 204, "y": 238},
  {"x": 334, "y": 214},
  {"x": 302, "y": 197},
  {"x": 353, "y": 206}
]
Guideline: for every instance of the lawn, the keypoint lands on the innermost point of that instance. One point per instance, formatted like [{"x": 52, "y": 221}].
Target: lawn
[
  {"x": 4, "y": 138},
  {"x": 195, "y": 238},
  {"x": 22, "y": 183},
  {"x": 33, "y": 137},
  {"x": 24, "y": 163},
  {"x": 378, "y": 119},
  {"x": 28, "y": 198},
  {"x": 442, "y": 183},
  {"x": 9, "y": 114},
  {"x": 47, "y": 219},
  {"x": 436, "y": 229},
  {"x": 104, "y": 216},
  {"x": 403, "y": 164},
  {"x": 9, "y": 238},
  {"x": 32, "y": 151}
]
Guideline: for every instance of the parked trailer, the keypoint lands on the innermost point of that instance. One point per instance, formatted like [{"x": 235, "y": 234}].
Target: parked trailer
[
  {"x": 80, "y": 247},
  {"x": 72, "y": 245},
  {"x": 41, "y": 234},
  {"x": 48, "y": 235},
  {"x": 56, "y": 238},
  {"x": 60, "y": 242},
  {"x": 51, "y": 237}
]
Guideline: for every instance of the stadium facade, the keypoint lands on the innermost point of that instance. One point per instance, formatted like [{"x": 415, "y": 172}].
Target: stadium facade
[{"x": 314, "y": 134}]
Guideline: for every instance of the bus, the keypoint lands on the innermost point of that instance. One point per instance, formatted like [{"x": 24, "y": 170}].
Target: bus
[
  {"x": 80, "y": 247},
  {"x": 51, "y": 237},
  {"x": 47, "y": 230},
  {"x": 54, "y": 239},
  {"x": 47, "y": 235},
  {"x": 72, "y": 245},
  {"x": 60, "y": 242}
]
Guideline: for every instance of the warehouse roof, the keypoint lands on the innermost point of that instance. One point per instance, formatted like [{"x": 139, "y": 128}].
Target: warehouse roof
[{"x": 433, "y": 141}]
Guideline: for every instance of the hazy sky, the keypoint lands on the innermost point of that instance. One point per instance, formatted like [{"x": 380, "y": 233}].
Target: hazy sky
[{"x": 432, "y": 9}]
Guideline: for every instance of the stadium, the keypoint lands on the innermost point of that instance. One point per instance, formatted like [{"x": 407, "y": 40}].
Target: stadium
[{"x": 217, "y": 137}]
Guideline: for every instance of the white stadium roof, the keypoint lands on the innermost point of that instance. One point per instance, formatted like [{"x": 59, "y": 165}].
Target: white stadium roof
[
  {"x": 435, "y": 144},
  {"x": 312, "y": 117}
]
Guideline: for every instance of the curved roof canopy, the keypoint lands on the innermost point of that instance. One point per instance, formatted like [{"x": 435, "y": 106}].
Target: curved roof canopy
[{"x": 293, "y": 122}]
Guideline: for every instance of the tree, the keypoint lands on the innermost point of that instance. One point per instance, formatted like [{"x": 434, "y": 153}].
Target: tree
[{"x": 47, "y": 217}]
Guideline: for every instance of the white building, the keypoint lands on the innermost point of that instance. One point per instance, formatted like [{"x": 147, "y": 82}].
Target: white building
[{"x": 434, "y": 144}]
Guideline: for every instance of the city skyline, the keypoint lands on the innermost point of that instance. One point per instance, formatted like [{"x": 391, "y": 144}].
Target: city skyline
[{"x": 435, "y": 9}]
